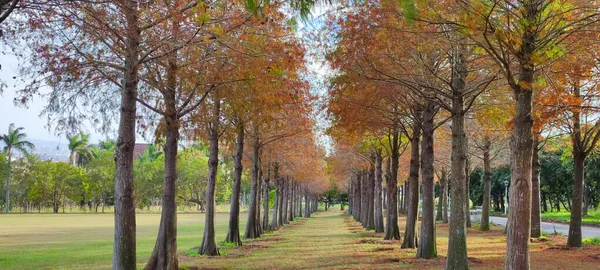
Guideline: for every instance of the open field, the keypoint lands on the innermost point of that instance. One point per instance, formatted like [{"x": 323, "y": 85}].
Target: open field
[
  {"x": 84, "y": 241},
  {"x": 326, "y": 240}
]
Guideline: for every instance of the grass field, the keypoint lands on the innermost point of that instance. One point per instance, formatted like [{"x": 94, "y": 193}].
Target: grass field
[
  {"x": 593, "y": 217},
  {"x": 84, "y": 241},
  {"x": 326, "y": 240}
]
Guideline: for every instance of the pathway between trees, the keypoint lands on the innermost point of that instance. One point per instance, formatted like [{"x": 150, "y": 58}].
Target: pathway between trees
[
  {"x": 325, "y": 240},
  {"x": 549, "y": 227},
  {"x": 333, "y": 240}
]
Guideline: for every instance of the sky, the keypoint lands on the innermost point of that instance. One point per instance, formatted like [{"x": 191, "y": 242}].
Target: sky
[{"x": 36, "y": 125}]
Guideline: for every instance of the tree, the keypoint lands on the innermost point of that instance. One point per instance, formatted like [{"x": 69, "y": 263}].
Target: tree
[
  {"x": 92, "y": 64},
  {"x": 233, "y": 232},
  {"x": 489, "y": 140},
  {"x": 14, "y": 140},
  {"x": 521, "y": 37},
  {"x": 78, "y": 145},
  {"x": 6, "y": 8},
  {"x": 101, "y": 177}
]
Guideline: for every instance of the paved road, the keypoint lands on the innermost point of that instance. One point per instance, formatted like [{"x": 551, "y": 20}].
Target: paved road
[{"x": 549, "y": 227}]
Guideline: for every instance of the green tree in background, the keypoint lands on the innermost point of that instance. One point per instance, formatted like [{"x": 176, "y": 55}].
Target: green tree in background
[
  {"x": 100, "y": 187},
  {"x": 14, "y": 140},
  {"x": 78, "y": 145}
]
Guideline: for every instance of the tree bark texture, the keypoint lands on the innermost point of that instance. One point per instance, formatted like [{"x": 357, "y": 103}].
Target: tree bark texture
[
  {"x": 209, "y": 243},
  {"x": 164, "y": 255},
  {"x": 252, "y": 231},
  {"x": 487, "y": 187},
  {"x": 378, "y": 193},
  {"x": 457, "y": 239},
  {"x": 124, "y": 252},
  {"x": 413, "y": 192},
  {"x": 233, "y": 233},
  {"x": 536, "y": 208},
  {"x": 427, "y": 248}
]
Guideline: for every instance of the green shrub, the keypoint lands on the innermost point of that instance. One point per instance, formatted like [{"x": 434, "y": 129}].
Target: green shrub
[{"x": 592, "y": 241}]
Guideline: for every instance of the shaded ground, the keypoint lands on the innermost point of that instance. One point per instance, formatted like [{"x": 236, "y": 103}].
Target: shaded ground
[
  {"x": 333, "y": 240},
  {"x": 325, "y": 240}
]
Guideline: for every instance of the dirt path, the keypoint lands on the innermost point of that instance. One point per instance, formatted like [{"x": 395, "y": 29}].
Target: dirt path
[
  {"x": 333, "y": 240},
  {"x": 326, "y": 240}
]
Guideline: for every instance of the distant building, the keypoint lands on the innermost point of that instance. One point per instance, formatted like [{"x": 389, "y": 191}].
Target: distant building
[{"x": 139, "y": 149}]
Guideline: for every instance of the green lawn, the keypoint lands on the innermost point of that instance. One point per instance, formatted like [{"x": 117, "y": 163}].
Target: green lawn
[
  {"x": 326, "y": 240},
  {"x": 593, "y": 217},
  {"x": 84, "y": 241}
]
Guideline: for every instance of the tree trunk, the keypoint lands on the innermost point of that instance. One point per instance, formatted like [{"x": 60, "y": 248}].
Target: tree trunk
[
  {"x": 519, "y": 217},
  {"x": 405, "y": 196},
  {"x": 427, "y": 248},
  {"x": 391, "y": 178},
  {"x": 291, "y": 201},
  {"x": 284, "y": 205},
  {"x": 468, "y": 200},
  {"x": 457, "y": 239},
  {"x": 252, "y": 231},
  {"x": 233, "y": 232},
  {"x": 378, "y": 200},
  {"x": 281, "y": 192},
  {"x": 438, "y": 210},
  {"x": 364, "y": 199},
  {"x": 358, "y": 198},
  {"x": 299, "y": 199},
  {"x": 413, "y": 192},
  {"x": 7, "y": 183},
  {"x": 487, "y": 187},
  {"x": 536, "y": 211},
  {"x": 276, "y": 203},
  {"x": 384, "y": 195},
  {"x": 164, "y": 255},
  {"x": 371, "y": 193},
  {"x": 574, "y": 239},
  {"x": 545, "y": 203},
  {"x": 209, "y": 243},
  {"x": 259, "y": 187},
  {"x": 350, "y": 195},
  {"x": 579, "y": 155},
  {"x": 124, "y": 248},
  {"x": 445, "y": 198},
  {"x": 307, "y": 204}
]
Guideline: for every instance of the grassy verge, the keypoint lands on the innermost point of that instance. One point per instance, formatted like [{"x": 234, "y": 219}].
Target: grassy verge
[{"x": 593, "y": 217}]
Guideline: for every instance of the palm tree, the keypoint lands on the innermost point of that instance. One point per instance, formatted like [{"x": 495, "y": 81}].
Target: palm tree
[
  {"x": 108, "y": 144},
  {"x": 78, "y": 145},
  {"x": 13, "y": 141}
]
